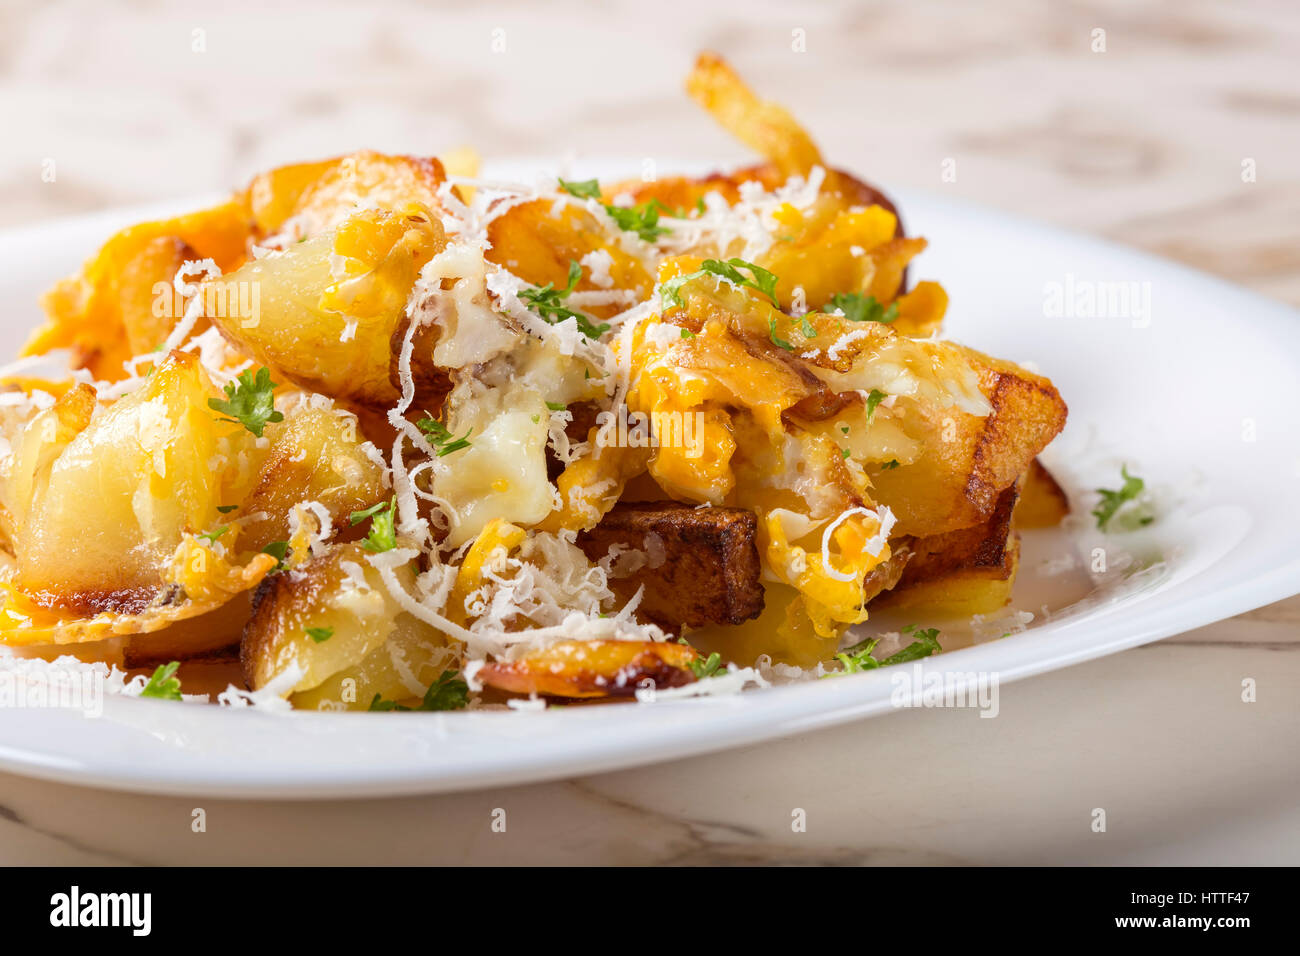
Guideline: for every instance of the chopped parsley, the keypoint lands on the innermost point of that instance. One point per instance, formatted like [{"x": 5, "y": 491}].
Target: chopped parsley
[
  {"x": 320, "y": 634},
  {"x": 687, "y": 334},
  {"x": 548, "y": 302},
  {"x": 889, "y": 465},
  {"x": 583, "y": 189},
  {"x": 557, "y": 406},
  {"x": 226, "y": 509},
  {"x": 925, "y": 642},
  {"x": 383, "y": 535},
  {"x": 874, "y": 398},
  {"x": 440, "y": 438},
  {"x": 708, "y": 667},
  {"x": 759, "y": 279},
  {"x": 164, "y": 684},
  {"x": 642, "y": 219},
  {"x": 448, "y": 692},
  {"x": 861, "y": 308},
  {"x": 857, "y": 658},
  {"x": 703, "y": 667},
  {"x": 214, "y": 534},
  {"x": 1113, "y": 501},
  {"x": 777, "y": 340},
  {"x": 249, "y": 401},
  {"x": 278, "y": 550}
]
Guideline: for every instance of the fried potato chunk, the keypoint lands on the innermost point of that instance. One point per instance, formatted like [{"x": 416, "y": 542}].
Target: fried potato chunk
[
  {"x": 964, "y": 572},
  {"x": 698, "y": 565},
  {"x": 121, "y": 303},
  {"x": 1043, "y": 502},
  {"x": 323, "y": 312},
  {"x": 100, "y": 499},
  {"x": 318, "y": 196},
  {"x": 327, "y": 617},
  {"x": 967, "y": 461},
  {"x": 587, "y": 669},
  {"x": 315, "y": 455}
]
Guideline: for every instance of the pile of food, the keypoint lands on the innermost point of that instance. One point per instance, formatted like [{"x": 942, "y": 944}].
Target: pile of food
[{"x": 406, "y": 438}]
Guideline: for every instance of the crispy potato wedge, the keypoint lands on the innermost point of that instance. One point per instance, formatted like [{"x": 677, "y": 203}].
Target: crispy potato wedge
[
  {"x": 968, "y": 571},
  {"x": 99, "y": 504},
  {"x": 963, "y": 591},
  {"x": 315, "y": 455},
  {"x": 1043, "y": 502},
  {"x": 401, "y": 669},
  {"x": 968, "y": 461},
  {"x": 326, "y": 331},
  {"x": 320, "y": 195},
  {"x": 698, "y": 565},
  {"x": 342, "y": 598},
  {"x": 106, "y": 313},
  {"x": 587, "y": 669}
]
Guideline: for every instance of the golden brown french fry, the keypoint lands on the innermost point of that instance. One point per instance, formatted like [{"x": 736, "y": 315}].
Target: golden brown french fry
[{"x": 764, "y": 127}]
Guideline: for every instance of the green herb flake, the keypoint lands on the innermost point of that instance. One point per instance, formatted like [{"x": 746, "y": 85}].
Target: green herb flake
[
  {"x": 861, "y": 308},
  {"x": 320, "y": 634},
  {"x": 164, "y": 684},
  {"x": 777, "y": 340},
  {"x": 212, "y": 536},
  {"x": 278, "y": 550},
  {"x": 249, "y": 401},
  {"x": 857, "y": 658},
  {"x": 1112, "y": 502},
  {"x": 758, "y": 279},
  {"x": 382, "y": 536},
  {"x": 582, "y": 189},
  {"x": 548, "y": 302},
  {"x": 440, "y": 438},
  {"x": 874, "y": 398},
  {"x": 448, "y": 692},
  {"x": 643, "y": 219}
]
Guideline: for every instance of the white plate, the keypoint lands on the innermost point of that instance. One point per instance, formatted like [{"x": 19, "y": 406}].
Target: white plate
[{"x": 1204, "y": 401}]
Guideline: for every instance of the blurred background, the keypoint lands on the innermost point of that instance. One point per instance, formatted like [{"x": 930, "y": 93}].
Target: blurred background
[
  {"x": 1173, "y": 127},
  {"x": 1138, "y": 132}
]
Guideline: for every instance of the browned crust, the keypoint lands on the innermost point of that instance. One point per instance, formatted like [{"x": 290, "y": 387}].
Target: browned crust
[
  {"x": 710, "y": 572},
  {"x": 1043, "y": 502},
  {"x": 981, "y": 547},
  {"x": 1028, "y": 412},
  {"x": 587, "y": 669},
  {"x": 261, "y": 628}
]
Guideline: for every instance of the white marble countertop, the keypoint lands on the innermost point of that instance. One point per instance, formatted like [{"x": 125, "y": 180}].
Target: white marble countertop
[{"x": 1143, "y": 143}]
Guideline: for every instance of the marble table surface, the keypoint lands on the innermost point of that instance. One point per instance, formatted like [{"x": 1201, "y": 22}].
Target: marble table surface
[{"x": 1143, "y": 142}]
